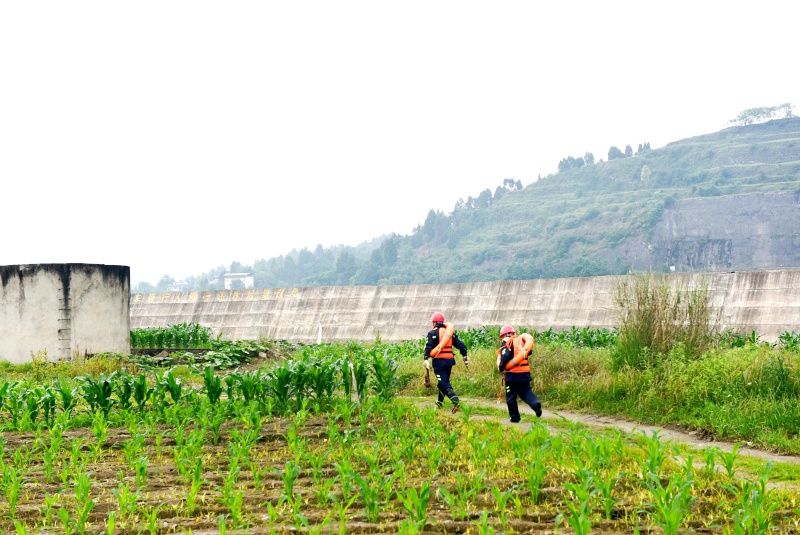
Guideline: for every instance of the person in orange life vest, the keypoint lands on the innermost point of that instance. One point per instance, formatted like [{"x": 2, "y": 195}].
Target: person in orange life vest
[
  {"x": 441, "y": 340},
  {"x": 512, "y": 360}
]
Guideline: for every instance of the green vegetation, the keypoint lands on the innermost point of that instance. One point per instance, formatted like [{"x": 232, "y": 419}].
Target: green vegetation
[
  {"x": 345, "y": 437},
  {"x": 184, "y": 335},
  {"x": 584, "y": 220},
  {"x": 319, "y": 442}
]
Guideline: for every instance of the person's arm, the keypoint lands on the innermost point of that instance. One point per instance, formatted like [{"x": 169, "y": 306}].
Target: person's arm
[
  {"x": 506, "y": 355},
  {"x": 431, "y": 343},
  {"x": 462, "y": 348}
]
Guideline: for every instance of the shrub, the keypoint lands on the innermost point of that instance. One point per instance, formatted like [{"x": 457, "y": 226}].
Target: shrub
[{"x": 655, "y": 317}]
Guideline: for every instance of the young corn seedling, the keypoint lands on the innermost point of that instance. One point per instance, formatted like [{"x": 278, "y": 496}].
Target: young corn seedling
[
  {"x": 484, "y": 528},
  {"x": 605, "y": 487},
  {"x": 111, "y": 523},
  {"x": 140, "y": 471},
  {"x": 501, "y": 503},
  {"x": 342, "y": 506},
  {"x": 83, "y": 487},
  {"x": 50, "y": 501},
  {"x": 100, "y": 429},
  {"x": 234, "y": 503},
  {"x": 729, "y": 459},
  {"x": 12, "y": 483},
  {"x": 290, "y": 473},
  {"x": 580, "y": 513},
  {"x": 655, "y": 453},
  {"x": 151, "y": 516},
  {"x": 535, "y": 478},
  {"x": 66, "y": 521},
  {"x": 455, "y": 502},
  {"x": 754, "y": 510},
  {"x": 710, "y": 467},
  {"x": 322, "y": 492},
  {"x": 670, "y": 502},
  {"x": 126, "y": 500},
  {"x": 48, "y": 459}
]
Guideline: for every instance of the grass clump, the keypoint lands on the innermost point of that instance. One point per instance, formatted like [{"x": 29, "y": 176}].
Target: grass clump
[{"x": 656, "y": 317}]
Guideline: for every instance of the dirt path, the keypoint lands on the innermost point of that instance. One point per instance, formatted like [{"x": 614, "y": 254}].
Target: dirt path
[{"x": 676, "y": 435}]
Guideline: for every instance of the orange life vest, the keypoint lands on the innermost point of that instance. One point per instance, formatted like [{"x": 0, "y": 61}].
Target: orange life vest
[
  {"x": 445, "y": 348},
  {"x": 521, "y": 346}
]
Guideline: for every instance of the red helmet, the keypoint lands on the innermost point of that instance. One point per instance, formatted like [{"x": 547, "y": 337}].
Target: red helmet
[
  {"x": 506, "y": 330},
  {"x": 437, "y": 317}
]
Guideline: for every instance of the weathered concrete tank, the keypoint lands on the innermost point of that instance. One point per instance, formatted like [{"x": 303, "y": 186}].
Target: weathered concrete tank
[{"x": 65, "y": 309}]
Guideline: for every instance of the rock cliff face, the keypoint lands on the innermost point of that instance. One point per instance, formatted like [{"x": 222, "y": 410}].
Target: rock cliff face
[{"x": 755, "y": 231}]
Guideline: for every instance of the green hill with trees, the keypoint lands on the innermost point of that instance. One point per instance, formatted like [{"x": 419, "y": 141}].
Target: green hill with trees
[{"x": 726, "y": 200}]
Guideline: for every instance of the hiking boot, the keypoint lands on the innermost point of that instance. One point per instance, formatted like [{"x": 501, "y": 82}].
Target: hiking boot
[
  {"x": 438, "y": 405},
  {"x": 455, "y": 408},
  {"x": 538, "y": 410}
]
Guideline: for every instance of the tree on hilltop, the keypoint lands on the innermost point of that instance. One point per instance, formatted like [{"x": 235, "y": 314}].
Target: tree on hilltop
[{"x": 763, "y": 114}]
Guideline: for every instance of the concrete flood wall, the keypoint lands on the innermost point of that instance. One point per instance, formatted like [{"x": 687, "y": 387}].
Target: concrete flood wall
[
  {"x": 765, "y": 301},
  {"x": 64, "y": 309}
]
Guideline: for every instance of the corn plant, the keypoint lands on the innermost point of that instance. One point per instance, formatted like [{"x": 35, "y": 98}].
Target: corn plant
[
  {"x": 97, "y": 392},
  {"x": 123, "y": 388},
  {"x": 384, "y": 369},
  {"x": 278, "y": 383},
  {"x": 65, "y": 398},
  {"x": 501, "y": 499},
  {"x": 754, "y": 511},
  {"x": 655, "y": 452},
  {"x": 141, "y": 391},
  {"x": 14, "y": 400},
  {"x": 212, "y": 384},
  {"x": 151, "y": 516},
  {"x": 50, "y": 501},
  {"x": 535, "y": 478},
  {"x": 484, "y": 528},
  {"x": 126, "y": 500},
  {"x": 670, "y": 502},
  {"x": 140, "y": 470},
  {"x": 729, "y": 459},
  {"x": 12, "y": 483},
  {"x": 370, "y": 495},
  {"x": 172, "y": 385},
  {"x": 605, "y": 487},
  {"x": 67, "y": 524},
  {"x": 83, "y": 485},
  {"x": 290, "y": 473}
]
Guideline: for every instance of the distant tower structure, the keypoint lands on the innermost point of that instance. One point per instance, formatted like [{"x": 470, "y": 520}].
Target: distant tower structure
[{"x": 65, "y": 309}]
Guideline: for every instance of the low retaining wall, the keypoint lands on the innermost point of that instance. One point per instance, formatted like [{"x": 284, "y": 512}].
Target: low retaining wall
[{"x": 766, "y": 301}]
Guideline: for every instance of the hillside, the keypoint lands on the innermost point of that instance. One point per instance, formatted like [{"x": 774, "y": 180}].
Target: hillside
[{"x": 721, "y": 201}]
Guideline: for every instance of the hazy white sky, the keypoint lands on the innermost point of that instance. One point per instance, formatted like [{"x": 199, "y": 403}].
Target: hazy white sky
[{"x": 177, "y": 136}]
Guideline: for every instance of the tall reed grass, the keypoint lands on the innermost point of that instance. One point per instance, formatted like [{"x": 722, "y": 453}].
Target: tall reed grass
[{"x": 658, "y": 314}]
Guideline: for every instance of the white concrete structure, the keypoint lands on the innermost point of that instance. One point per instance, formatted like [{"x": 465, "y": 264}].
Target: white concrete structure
[
  {"x": 65, "y": 309},
  {"x": 766, "y": 301},
  {"x": 245, "y": 278}
]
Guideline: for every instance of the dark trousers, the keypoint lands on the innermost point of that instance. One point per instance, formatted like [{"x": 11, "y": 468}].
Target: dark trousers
[
  {"x": 442, "y": 369},
  {"x": 524, "y": 392}
]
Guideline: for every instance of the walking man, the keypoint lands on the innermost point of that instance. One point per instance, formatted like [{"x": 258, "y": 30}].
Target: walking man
[
  {"x": 439, "y": 350},
  {"x": 512, "y": 361}
]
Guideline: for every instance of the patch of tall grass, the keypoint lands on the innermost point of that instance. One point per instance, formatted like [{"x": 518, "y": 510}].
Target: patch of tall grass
[{"x": 656, "y": 316}]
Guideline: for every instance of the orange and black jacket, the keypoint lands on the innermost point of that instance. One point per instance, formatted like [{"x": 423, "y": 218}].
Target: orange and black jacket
[
  {"x": 434, "y": 335},
  {"x": 522, "y": 371}
]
